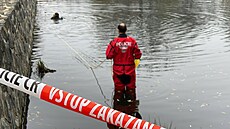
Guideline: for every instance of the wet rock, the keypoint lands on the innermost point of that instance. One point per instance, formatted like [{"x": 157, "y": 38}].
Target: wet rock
[{"x": 16, "y": 36}]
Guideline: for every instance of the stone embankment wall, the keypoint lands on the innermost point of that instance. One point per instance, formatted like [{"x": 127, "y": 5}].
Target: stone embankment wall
[{"x": 17, "y": 19}]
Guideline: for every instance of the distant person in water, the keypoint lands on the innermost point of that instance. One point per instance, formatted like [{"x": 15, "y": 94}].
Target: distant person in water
[{"x": 56, "y": 17}]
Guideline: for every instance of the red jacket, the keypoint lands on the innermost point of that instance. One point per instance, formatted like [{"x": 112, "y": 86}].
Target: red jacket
[{"x": 123, "y": 50}]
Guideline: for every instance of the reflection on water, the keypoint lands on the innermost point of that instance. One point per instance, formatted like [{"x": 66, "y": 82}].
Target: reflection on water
[
  {"x": 37, "y": 41},
  {"x": 183, "y": 76},
  {"x": 125, "y": 101}
]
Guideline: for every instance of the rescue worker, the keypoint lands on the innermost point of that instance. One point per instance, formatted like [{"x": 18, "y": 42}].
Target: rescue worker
[{"x": 124, "y": 50}]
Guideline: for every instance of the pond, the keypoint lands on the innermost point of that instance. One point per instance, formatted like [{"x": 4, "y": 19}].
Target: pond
[{"x": 183, "y": 76}]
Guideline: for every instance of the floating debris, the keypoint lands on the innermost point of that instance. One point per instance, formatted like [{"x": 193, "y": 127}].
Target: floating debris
[{"x": 42, "y": 69}]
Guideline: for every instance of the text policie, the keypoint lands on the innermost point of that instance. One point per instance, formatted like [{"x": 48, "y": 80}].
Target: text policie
[
  {"x": 73, "y": 102},
  {"x": 19, "y": 82}
]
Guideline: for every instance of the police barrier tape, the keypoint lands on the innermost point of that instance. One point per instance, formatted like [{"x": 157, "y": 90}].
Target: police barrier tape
[{"x": 72, "y": 102}]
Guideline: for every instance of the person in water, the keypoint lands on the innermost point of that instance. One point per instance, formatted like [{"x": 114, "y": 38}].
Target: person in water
[
  {"x": 124, "y": 50},
  {"x": 56, "y": 17}
]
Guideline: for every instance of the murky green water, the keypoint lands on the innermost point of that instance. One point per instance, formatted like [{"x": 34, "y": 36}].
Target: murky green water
[{"x": 184, "y": 73}]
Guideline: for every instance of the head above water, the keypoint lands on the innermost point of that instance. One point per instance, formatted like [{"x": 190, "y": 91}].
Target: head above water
[
  {"x": 56, "y": 16},
  {"x": 122, "y": 28}
]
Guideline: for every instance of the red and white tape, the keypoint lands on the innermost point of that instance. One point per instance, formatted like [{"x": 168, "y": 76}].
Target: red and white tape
[{"x": 72, "y": 102}]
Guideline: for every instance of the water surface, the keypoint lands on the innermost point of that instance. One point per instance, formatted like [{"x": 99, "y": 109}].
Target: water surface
[{"x": 184, "y": 73}]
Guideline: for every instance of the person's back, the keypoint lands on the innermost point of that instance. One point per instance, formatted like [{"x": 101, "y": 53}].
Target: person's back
[
  {"x": 124, "y": 46},
  {"x": 123, "y": 50}
]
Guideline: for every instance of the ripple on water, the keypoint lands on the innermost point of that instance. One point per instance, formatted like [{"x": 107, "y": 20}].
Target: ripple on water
[{"x": 184, "y": 70}]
